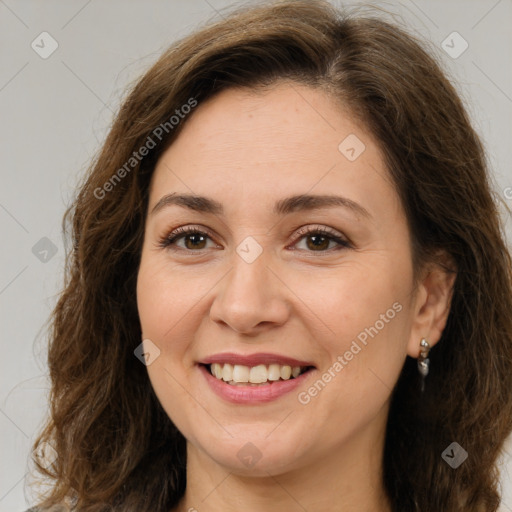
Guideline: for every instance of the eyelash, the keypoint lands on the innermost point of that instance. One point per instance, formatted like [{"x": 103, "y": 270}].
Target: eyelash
[{"x": 167, "y": 241}]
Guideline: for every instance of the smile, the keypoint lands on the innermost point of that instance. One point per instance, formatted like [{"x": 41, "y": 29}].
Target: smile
[
  {"x": 257, "y": 375},
  {"x": 255, "y": 378}
]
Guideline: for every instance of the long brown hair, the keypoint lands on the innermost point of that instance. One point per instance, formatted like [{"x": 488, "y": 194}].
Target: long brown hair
[{"x": 117, "y": 449}]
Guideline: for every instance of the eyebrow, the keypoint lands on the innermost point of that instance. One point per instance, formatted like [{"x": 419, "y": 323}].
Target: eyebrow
[{"x": 302, "y": 202}]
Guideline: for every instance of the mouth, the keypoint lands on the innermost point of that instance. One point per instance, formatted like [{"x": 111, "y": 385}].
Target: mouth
[
  {"x": 257, "y": 375},
  {"x": 252, "y": 379}
]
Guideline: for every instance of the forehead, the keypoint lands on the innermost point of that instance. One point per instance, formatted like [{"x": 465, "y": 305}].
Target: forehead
[
  {"x": 254, "y": 147},
  {"x": 288, "y": 120}
]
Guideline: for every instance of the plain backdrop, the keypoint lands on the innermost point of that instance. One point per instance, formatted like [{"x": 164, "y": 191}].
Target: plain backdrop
[{"x": 55, "y": 112}]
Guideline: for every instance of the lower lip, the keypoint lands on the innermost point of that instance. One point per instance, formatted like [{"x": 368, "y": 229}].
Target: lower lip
[{"x": 262, "y": 393}]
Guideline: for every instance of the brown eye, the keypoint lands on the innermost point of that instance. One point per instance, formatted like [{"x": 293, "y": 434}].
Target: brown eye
[
  {"x": 194, "y": 239},
  {"x": 318, "y": 242},
  {"x": 322, "y": 240}
]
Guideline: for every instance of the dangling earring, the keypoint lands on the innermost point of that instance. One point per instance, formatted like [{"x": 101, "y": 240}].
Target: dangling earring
[{"x": 423, "y": 362}]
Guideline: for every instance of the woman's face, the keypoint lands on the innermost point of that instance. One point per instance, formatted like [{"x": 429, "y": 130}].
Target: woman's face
[{"x": 255, "y": 288}]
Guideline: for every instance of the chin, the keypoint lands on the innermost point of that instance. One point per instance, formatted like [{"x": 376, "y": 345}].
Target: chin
[{"x": 249, "y": 455}]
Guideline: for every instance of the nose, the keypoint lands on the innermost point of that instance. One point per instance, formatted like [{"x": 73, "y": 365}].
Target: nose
[{"x": 251, "y": 297}]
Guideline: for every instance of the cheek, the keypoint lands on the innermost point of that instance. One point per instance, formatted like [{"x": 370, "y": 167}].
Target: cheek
[
  {"x": 165, "y": 305},
  {"x": 347, "y": 300},
  {"x": 169, "y": 383},
  {"x": 164, "y": 297},
  {"x": 363, "y": 318}
]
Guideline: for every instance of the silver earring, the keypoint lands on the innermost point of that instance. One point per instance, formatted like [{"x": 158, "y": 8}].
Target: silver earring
[{"x": 423, "y": 362}]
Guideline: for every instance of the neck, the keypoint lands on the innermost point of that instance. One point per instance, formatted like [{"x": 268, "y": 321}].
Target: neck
[{"x": 347, "y": 479}]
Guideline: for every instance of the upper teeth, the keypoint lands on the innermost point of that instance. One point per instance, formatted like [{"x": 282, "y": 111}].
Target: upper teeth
[{"x": 253, "y": 374}]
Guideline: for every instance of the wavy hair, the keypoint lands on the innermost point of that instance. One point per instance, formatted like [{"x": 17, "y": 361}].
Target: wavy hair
[{"x": 116, "y": 448}]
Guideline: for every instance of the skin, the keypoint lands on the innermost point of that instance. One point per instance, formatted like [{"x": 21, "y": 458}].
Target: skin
[{"x": 248, "y": 149}]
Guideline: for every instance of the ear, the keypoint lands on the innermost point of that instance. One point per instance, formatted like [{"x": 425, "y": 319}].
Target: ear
[{"x": 432, "y": 302}]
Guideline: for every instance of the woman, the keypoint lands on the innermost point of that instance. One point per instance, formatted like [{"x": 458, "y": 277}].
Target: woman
[{"x": 289, "y": 287}]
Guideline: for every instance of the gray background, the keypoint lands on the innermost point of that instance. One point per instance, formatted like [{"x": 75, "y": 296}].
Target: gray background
[{"x": 55, "y": 113}]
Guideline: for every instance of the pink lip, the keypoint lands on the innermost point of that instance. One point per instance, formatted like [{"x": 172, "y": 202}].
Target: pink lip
[
  {"x": 254, "y": 359},
  {"x": 252, "y": 394}
]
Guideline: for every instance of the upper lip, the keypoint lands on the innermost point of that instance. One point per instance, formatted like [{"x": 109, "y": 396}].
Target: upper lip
[{"x": 254, "y": 359}]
